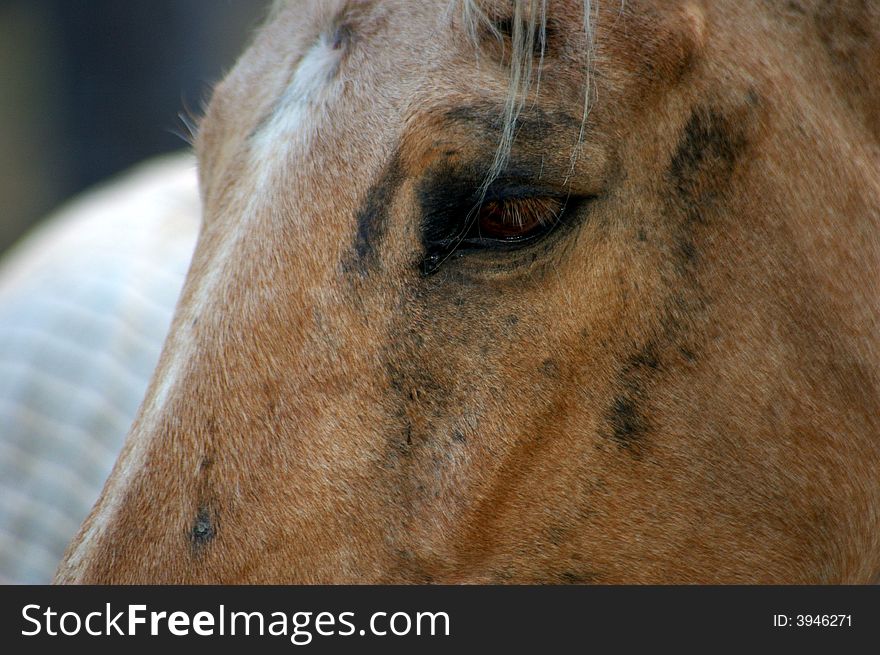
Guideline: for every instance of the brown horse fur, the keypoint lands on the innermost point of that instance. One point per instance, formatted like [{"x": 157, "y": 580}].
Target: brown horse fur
[{"x": 681, "y": 383}]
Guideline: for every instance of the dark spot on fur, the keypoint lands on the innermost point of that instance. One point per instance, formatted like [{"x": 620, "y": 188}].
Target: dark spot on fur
[
  {"x": 204, "y": 529},
  {"x": 578, "y": 577},
  {"x": 557, "y": 534},
  {"x": 270, "y": 393},
  {"x": 372, "y": 217},
  {"x": 849, "y": 32},
  {"x": 645, "y": 358},
  {"x": 708, "y": 150},
  {"x": 458, "y": 437},
  {"x": 629, "y": 427},
  {"x": 706, "y": 154},
  {"x": 502, "y": 576},
  {"x": 753, "y": 98},
  {"x": 550, "y": 368},
  {"x": 687, "y": 251},
  {"x": 535, "y": 123},
  {"x": 627, "y": 424},
  {"x": 843, "y": 27},
  {"x": 415, "y": 396},
  {"x": 410, "y": 567},
  {"x": 512, "y": 319}
]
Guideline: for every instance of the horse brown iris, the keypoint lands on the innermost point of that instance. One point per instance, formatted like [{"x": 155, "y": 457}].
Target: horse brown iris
[{"x": 515, "y": 220}]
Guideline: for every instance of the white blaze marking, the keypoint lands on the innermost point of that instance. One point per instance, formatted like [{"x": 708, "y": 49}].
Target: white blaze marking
[
  {"x": 295, "y": 119},
  {"x": 290, "y": 130}
]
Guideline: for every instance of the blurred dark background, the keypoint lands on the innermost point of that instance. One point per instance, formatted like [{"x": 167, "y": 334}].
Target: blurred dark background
[{"x": 90, "y": 87}]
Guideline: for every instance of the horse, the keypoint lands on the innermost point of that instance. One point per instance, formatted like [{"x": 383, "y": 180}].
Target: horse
[
  {"x": 522, "y": 291},
  {"x": 85, "y": 304}
]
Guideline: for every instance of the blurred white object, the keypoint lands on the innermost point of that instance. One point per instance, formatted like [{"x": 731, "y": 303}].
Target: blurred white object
[{"x": 85, "y": 303}]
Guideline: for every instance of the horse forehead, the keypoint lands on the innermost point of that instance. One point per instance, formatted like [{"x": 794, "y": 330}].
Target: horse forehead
[
  {"x": 338, "y": 73},
  {"x": 363, "y": 39},
  {"x": 400, "y": 48}
]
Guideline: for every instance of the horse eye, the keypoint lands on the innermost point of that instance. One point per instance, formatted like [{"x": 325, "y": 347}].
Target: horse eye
[
  {"x": 514, "y": 220},
  {"x": 506, "y": 220}
]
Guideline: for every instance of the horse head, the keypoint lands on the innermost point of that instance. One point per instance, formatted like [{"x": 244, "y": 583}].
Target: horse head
[{"x": 522, "y": 291}]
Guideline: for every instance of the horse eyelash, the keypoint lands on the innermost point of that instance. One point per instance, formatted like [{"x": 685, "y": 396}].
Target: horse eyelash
[{"x": 517, "y": 212}]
